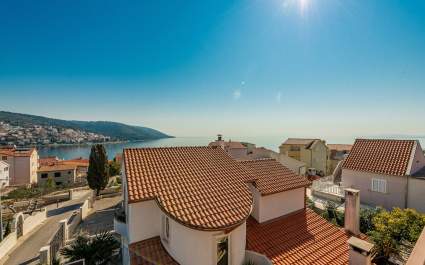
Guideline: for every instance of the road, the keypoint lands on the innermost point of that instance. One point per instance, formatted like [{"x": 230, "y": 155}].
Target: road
[{"x": 27, "y": 251}]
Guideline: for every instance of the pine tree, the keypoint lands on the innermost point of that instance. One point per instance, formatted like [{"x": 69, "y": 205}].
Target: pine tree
[{"x": 98, "y": 172}]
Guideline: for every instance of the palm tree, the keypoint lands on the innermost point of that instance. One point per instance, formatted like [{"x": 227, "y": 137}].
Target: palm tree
[{"x": 94, "y": 250}]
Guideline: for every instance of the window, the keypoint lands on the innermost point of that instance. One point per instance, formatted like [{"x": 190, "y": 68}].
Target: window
[
  {"x": 223, "y": 250},
  {"x": 44, "y": 175},
  {"x": 379, "y": 185},
  {"x": 6, "y": 169},
  {"x": 4, "y": 158},
  {"x": 57, "y": 174},
  {"x": 165, "y": 228},
  {"x": 295, "y": 148}
]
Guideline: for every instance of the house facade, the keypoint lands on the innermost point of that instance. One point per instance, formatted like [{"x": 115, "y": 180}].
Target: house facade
[
  {"x": 61, "y": 174},
  {"x": 337, "y": 153},
  {"x": 197, "y": 205},
  {"x": 389, "y": 173},
  {"x": 23, "y": 165},
  {"x": 4, "y": 174},
  {"x": 313, "y": 152}
]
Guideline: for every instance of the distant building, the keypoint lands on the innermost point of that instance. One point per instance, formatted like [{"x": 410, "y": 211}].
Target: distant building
[
  {"x": 23, "y": 165},
  {"x": 81, "y": 164},
  {"x": 313, "y": 152},
  {"x": 237, "y": 150},
  {"x": 4, "y": 174},
  {"x": 61, "y": 174},
  {"x": 337, "y": 153},
  {"x": 296, "y": 166},
  {"x": 388, "y": 173}
]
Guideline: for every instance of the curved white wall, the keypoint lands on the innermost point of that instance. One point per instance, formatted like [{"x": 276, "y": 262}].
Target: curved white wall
[
  {"x": 187, "y": 246},
  {"x": 193, "y": 247}
]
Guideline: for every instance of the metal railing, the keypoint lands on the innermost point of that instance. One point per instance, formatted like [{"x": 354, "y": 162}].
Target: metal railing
[{"x": 326, "y": 185}]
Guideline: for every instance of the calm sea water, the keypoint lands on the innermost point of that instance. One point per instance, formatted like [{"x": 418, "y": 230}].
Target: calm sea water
[{"x": 68, "y": 152}]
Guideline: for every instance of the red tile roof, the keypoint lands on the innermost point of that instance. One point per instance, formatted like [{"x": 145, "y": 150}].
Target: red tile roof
[
  {"x": 303, "y": 237},
  {"x": 150, "y": 252},
  {"x": 228, "y": 144},
  {"x": 273, "y": 177},
  {"x": 56, "y": 167},
  {"x": 17, "y": 152},
  {"x": 389, "y": 157},
  {"x": 200, "y": 187}
]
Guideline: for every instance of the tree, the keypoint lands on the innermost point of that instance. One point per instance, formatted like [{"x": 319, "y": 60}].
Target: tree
[
  {"x": 96, "y": 250},
  {"x": 114, "y": 168},
  {"x": 98, "y": 172},
  {"x": 366, "y": 218},
  {"x": 393, "y": 228},
  {"x": 50, "y": 184}
]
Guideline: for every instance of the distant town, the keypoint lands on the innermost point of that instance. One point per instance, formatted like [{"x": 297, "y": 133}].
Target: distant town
[{"x": 38, "y": 135}]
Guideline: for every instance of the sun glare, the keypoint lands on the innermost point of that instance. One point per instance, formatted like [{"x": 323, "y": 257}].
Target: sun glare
[{"x": 301, "y": 5}]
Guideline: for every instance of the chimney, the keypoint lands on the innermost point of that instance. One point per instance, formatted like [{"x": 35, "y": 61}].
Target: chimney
[
  {"x": 360, "y": 252},
  {"x": 219, "y": 137},
  {"x": 352, "y": 211}
]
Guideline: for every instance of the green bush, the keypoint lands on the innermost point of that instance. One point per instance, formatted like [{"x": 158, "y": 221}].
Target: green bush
[
  {"x": 392, "y": 228},
  {"x": 24, "y": 193}
]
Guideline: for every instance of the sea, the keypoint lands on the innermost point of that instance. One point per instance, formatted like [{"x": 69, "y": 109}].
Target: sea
[{"x": 270, "y": 142}]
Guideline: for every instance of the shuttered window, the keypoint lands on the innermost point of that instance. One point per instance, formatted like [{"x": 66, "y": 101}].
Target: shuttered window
[{"x": 379, "y": 185}]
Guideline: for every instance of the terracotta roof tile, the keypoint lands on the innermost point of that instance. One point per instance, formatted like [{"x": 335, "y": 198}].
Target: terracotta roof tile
[
  {"x": 150, "y": 252},
  {"x": 300, "y": 238},
  {"x": 390, "y": 157},
  {"x": 16, "y": 152},
  {"x": 200, "y": 187},
  {"x": 56, "y": 167},
  {"x": 228, "y": 144},
  {"x": 272, "y": 177}
]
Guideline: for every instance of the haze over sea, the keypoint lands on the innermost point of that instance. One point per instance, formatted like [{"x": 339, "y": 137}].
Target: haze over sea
[{"x": 270, "y": 142}]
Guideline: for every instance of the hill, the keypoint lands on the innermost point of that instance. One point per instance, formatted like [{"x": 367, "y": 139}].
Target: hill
[{"x": 115, "y": 130}]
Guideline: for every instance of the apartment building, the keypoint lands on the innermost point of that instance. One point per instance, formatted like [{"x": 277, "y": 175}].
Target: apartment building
[
  {"x": 23, "y": 165},
  {"x": 313, "y": 152},
  {"x": 197, "y": 205}
]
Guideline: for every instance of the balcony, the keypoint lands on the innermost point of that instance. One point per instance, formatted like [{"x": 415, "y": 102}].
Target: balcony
[{"x": 120, "y": 222}]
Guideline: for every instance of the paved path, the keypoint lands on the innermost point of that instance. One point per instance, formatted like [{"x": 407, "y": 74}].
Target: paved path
[
  {"x": 101, "y": 217},
  {"x": 28, "y": 249}
]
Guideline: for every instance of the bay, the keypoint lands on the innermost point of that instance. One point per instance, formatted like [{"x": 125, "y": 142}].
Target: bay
[{"x": 270, "y": 142}]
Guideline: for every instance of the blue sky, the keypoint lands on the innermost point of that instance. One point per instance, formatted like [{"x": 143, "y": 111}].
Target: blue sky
[{"x": 321, "y": 68}]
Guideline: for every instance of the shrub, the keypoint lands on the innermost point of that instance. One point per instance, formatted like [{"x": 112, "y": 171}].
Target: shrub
[{"x": 391, "y": 229}]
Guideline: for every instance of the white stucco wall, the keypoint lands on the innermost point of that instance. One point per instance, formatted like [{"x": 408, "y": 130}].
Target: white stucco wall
[
  {"x": 7, "y": 244},
  {"x": 144, "y": 221},
  {"x": 279, "y": 204},
  {"x": 275, "y": 205},
  {"x": 416, "y": 194},
  {"x": 33, "y": 221},
  {"x": 418, "y": 161},
  {"x": 4, "y": 174},
  {"x": 257, "y": 200},
  {"x": 396, "y": 188},
  {"x": 193, "y": 247},
  {"x": 187, "y": 246}
]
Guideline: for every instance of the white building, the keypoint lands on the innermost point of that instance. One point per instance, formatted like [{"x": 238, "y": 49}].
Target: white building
[
  {"x": 4, "y": 174},
  {"x": 197, "y": 205},
  {"x": 388, "y": 173}
]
